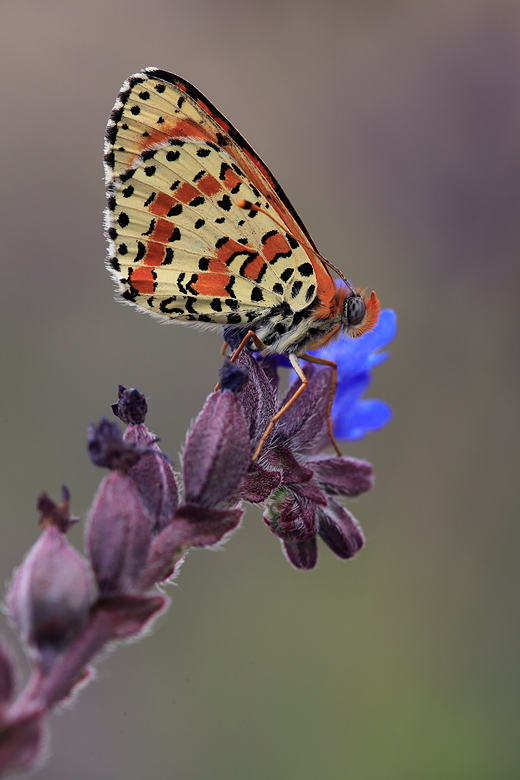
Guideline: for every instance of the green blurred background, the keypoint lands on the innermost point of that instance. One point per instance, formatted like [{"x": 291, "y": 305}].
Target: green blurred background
[{"x": 394, "y": 129}]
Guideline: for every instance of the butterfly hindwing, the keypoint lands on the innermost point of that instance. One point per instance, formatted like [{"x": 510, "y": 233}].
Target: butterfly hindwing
[{"x": 180, "y": 246}]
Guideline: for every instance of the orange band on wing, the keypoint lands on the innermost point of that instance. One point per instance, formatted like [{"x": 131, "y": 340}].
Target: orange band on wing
[
  {"x": 154, "y": 254},
  {"x": 216, "y": 266},
  {"x": 253, "y": 269},
  {"x": 231, "y": 248},
  {"x": 231, "y": 179},
  {"x": 163, "y": 230},
  {"x": 275, "y": 245},
  {"x": 155, "y": 249},
  {"x": 184, "y": 129},
  {"x": 161, "y": 205},
  {"x": 142, "y": 280},
  {"x": 208, "y": 185},
  {"x": 212, "y": 285},
  {"x": 186, "y": 192}
]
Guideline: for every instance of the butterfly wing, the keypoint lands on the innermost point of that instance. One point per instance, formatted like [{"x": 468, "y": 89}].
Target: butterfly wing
[{"x": 179, "y": 245}]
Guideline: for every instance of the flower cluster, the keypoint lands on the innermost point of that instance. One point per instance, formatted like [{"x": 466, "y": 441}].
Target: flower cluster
[{"x": 67, "y": 607}]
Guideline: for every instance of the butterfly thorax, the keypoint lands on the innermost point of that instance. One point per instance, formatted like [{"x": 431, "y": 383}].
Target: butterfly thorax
[{"x": 284, "y": 331}]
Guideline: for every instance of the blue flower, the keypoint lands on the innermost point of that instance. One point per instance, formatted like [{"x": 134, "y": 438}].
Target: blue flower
[{"x": 354, "y": 416}]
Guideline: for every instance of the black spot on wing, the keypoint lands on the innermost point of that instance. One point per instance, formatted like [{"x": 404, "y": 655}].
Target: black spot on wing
[
  {"x": 295, "y": 290},
  {"x": 311, "y": 292},
  {"x": 305, "y": 269},
  {"x": 224, "y": 203},
  {"x": 229, "y": 288},
  {"x": 141, "y": 251},
  {"x": 234, "y": 319},
  {"x": 151, "y": 228},
  {"x": 167, "y": 306}
]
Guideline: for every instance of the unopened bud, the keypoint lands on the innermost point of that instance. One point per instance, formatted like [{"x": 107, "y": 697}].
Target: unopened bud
[
  {"x": 118, "y": 534},
  {"x": 217, "y": 452},
  {"x": 153, "y": 477},
  {"x": 50, "y": 596},
  {"x": 108, "y": 450},
  {"x": 131, "y": 406}
]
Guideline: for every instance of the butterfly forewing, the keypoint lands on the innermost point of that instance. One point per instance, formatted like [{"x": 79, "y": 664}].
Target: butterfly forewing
[{"x": 180, "y": 245}]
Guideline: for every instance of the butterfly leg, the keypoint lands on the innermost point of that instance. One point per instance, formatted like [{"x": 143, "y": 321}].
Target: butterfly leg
[
  {"x": 249, "y": 335},
  {"x": 334, "y": 366},
  {"x": 285, "y": 407}
]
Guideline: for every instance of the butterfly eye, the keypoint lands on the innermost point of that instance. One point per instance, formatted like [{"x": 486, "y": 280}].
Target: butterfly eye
[{"x": 355, "y": 310}]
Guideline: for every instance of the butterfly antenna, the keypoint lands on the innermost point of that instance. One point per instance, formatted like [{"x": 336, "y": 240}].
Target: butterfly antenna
[{"x": 247, "y": 204}]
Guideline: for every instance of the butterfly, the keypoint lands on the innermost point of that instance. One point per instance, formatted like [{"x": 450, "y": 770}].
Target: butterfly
[{"x": 200, "y": 231}]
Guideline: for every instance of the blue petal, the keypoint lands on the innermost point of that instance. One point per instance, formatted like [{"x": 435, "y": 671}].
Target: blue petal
[
  {"x": 356, "y": 355},
  {"x": 348, "y": 393},
  {"x": 366, "y": 416}
]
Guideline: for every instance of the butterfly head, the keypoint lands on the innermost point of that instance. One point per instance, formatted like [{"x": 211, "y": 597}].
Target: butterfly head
[{"x": 360, "y": 314}]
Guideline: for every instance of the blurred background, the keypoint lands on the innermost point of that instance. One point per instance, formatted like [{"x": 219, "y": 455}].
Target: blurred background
[{"x": 393, "y": 126}]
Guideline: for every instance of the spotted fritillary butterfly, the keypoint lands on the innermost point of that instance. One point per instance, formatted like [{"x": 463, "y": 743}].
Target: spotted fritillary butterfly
[{"x": 200, "y": 231}]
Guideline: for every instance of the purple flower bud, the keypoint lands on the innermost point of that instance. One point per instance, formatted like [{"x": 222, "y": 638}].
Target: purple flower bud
[
  {"x": 258, "y": 484},
  {"x": 217, "y": 453},
  {"x": 118, "y": 534},
  {"x": 342, "y": 476},
  {"x": 53, "y": 514},
  {"x": 153, "y": 477},
  {"x": 232, "y": 377},
  {"x": 304, "y": 424},
  {"x": 258, "y": 398},
  {"x": 291, "y": 512},
  {"x": 131, "y": 406},
  {"x": 50, "y": 596},
  {"x": 339, "y": 530},
  {"x": 301, "y": 555},
  {"x": 107, "y": 449}
]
